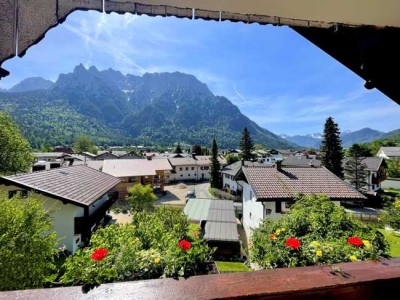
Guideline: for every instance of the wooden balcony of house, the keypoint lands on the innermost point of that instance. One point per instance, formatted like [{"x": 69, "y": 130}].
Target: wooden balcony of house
[
  {"x": 378, "y": 178},
  {"x": 358, "y": 280}
]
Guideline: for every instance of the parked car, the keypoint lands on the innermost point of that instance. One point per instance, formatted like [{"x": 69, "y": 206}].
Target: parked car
[{"x": 190, "y": 194}]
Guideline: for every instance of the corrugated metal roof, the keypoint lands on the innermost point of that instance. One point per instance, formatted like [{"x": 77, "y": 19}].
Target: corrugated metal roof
[
  {"x": 221, "y": 231},
  {"x": 220, "y": 215},
  {"x": 135, "y": 167},
  {"x": 78, "y": 184},
  {"x": 197, "y": 209}
]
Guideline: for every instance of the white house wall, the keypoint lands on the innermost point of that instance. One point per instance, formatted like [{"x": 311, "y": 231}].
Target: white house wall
[
  {"x": 194, "y": 172},
  {"x": 253, "y": 212},
  {"x": 64, "y": 222},
  {"x": 227, "y": 181}
]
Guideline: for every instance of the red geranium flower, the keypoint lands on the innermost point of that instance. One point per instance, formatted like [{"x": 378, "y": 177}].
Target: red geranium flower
[
  {"x": 293, "y": 243},
  {"x": 355, "y": 240},
  {"x": 184, "y": 245},
  {"x": 99, "y": 254}
]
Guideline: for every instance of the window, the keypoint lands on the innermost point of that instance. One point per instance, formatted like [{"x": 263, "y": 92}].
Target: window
[
  {"x": 192, "y": 168},
  {"x": 189, "y": 175},
  {"x": 278, "y": 207},
  {"x": 180, "y": 169},
  {"x": 21, "y": 193},
  {"x": 187, "y": 168},
  {"x": 132, "y": 179}
]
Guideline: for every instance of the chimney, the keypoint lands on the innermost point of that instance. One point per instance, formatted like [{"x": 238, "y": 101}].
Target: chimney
[
  {"x": 242, "y": 162},
  {"x": 278, "y": 165},
  {"x": 194, "y": 155}
]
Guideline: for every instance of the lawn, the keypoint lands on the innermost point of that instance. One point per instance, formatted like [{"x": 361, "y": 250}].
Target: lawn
[
  {"x": 392, "y": 191},
  {"x": 394, "y": 242},
  {"x": 228, "y": 266}
]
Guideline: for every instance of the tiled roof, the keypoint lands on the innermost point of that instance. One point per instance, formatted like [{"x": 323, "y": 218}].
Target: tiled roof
[
  {"x": 78, "y": 184},
  {"x": 301, "y": 161},
  {"x": 199, "y": 160},
  {"x": 135, "y": 167},
  {"x": 182, "y": 161},
  {"x": 271, "y": 183}
]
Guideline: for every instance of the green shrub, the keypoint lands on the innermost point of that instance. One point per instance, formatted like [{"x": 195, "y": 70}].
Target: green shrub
[
  {"x": 27, "y": 243},
  {"x": 314, "y": 232},
  {"x": 391, "y": 214},
  {"x": 150, "y": 247}
]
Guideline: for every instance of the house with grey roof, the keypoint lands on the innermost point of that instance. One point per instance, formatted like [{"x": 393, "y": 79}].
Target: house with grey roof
[
  {"x": 269, "y": 191},
  {"x": 134, "y": 171},
  {"x": 376, "y": 169},
  {"x": 77, "y": 196},
  {"x": 218, "y": 221},
  {"x": 195, "y": 167},
  {"x": 389, "y": 152},
  {"x": 301, "y": 161},
  {"x": 228, "y": 173}
]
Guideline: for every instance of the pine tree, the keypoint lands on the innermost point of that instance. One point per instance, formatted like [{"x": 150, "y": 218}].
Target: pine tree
[
  {"x": 246, "y": 145},
  {"x": 178, "y": 149},
  {"x": 215, "y": 178},
  {"x": 355, "y": 169},
  {"x": 331, "y": 148}
]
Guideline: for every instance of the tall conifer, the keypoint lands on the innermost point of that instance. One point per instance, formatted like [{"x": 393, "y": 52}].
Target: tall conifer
[
  {"x": 246, "y": 145},
  {"x": 215, "y": 178},
  {"x": 331, "y": 148}
]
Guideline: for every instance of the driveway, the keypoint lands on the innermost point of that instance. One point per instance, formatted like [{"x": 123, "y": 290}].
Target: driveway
[{"x": 176, "y": 193}]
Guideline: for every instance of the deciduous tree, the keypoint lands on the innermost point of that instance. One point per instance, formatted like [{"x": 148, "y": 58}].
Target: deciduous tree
[
  {"x": 15, "y": 153},
  {"x": 28, "y": 243},
  {"x": 84, "y": 144},
  {"x": 331, "y": 148},
  {"x": 141, "y": 198}
]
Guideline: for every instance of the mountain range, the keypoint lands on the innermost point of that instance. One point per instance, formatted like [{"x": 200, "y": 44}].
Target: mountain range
[
  {"x": 112, "y": 108},
  {"x": 348, "y": 138}
]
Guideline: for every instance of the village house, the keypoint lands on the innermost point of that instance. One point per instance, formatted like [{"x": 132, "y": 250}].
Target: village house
[
  {"x": 77, "y": 196},
  {"x": 376, "y": 168},
  {"x": 269, "y": 191},
  {"x": 134, "y": 171},
  {"x": 228, "y": 173},
  {"x": 389, "y": 152},
  {"x": 48, "y": 160},
  {"x": 192, "y": 168}
]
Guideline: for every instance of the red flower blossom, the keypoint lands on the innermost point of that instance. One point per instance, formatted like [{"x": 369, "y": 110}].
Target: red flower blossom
[
  {"x": 184, "y": 245},
  {"x": 355, "y": 240},
  {"x": 293, "y": 243},
  {"x": 99, "y": 254},
  {"x": 272, "y": 236}
]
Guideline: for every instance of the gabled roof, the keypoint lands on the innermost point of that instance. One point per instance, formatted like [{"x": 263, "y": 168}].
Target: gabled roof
[
  {"x": 301, "y": 161},
  {"x": 78, "y": 185},
  {"x": 270, "y": 183},
  {"x": 234, "y": 168},
  {"x": 48, "y": 154},
  {"x": 220, "y": 216},
  {"x": 390, "y": 151},
  {"x": 135, "y": 167},
  {"x": 373, "y": 163},
  {"x": 199, "y": 160}
]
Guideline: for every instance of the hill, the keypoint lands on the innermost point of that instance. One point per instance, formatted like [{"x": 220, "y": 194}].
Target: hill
[{"x": 31, "y": 84}]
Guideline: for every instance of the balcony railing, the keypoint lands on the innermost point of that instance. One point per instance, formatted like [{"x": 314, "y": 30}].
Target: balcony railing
[{"x": 358, "y": 280}]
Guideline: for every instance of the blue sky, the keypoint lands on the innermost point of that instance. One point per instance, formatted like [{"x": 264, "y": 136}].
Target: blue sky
[{"x": 276, "y": 77}]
